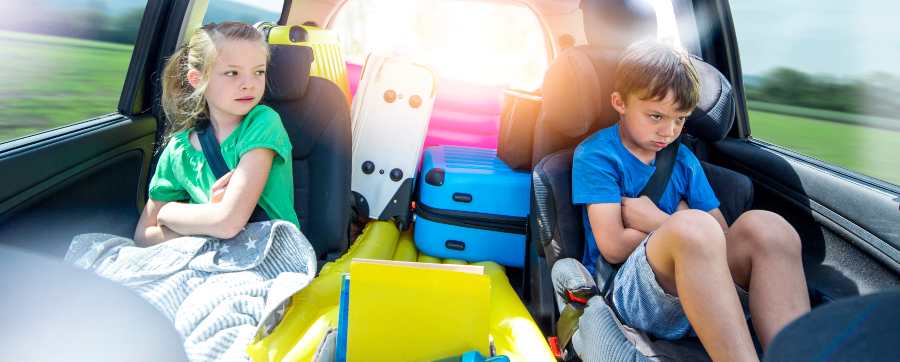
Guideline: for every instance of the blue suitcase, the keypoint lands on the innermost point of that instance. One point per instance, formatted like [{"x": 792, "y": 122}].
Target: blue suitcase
[{"x": 472, "y": 206}]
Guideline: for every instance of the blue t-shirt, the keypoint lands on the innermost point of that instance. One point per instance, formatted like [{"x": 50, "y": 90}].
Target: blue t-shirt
[{"x": 604, "y": 171}]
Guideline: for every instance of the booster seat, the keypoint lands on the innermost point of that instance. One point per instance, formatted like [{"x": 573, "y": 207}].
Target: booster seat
[
  {"x": 316, "y": 116},
  {"x": 559, "y": 231}
]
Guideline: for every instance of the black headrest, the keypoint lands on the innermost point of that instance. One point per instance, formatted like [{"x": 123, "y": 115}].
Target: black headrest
[
  {"x": 616, "y": 24},
  {"x": 576, "y": 90},
  {"x": 288, "y": 72},
  {"x": 714, "y": 115}
]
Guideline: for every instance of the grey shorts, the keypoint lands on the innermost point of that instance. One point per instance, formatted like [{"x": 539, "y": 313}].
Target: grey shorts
[{"x": 642, "y": 303}]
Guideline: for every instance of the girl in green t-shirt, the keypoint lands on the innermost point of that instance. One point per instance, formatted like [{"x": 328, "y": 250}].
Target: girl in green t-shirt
[{"x": 218, "y": 77}]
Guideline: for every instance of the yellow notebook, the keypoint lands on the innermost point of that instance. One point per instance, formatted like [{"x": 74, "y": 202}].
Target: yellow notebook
[{"x": 405, "y": 311}]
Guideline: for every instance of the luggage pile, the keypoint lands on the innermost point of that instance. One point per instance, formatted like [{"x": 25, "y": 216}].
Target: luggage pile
[{"x": 469, "y": 204}]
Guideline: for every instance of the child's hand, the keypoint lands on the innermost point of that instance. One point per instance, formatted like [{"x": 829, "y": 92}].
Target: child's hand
[
  {"x": 218, "y": 188},
  {"x": 641, "y": 214}
]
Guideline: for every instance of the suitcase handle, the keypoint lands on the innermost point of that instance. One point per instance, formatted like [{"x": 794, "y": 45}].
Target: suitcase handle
[
  {"x": 462, "y": 197},
  {"x": 455, "y": 245}
]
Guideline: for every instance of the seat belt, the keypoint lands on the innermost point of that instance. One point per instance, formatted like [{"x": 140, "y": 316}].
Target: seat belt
[
  {"x": 665, "y": 161},
  {"x": 213, "y": 153},
  {"x": 576, "y": 302},
  {"x": 654, "y": 189}
]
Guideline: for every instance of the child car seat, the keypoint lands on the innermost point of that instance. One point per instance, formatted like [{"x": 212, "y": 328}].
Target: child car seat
[
  {"x": 558, "y": 229},
  {"x": 316, "y": 116}
]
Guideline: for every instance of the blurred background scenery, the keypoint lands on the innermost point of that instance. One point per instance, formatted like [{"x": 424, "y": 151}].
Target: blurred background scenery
[
  {"x": 65, "y": 60},
  {"x": 821, "y": 78}
]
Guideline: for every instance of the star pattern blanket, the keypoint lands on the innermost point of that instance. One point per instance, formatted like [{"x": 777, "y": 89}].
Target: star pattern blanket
[{"x": 217, "y": 293}]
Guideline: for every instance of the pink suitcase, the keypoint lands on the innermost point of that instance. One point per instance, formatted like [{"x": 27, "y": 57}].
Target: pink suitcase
[{"x": 463, "y": 115}]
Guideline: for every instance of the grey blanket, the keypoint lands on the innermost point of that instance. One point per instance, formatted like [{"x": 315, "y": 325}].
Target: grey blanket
[{"x": 217, "y": 293}]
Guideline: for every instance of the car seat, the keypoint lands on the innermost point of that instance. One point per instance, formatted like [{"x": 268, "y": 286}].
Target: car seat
[
  {"x": 317, "y": 119},
  {"x": 558, "y": 230}
]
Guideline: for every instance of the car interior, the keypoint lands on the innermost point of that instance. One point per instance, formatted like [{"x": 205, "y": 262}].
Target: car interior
[{"x": 92, "y": 176}]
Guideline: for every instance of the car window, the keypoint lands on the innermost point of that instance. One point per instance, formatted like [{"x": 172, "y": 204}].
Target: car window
[
  {"x": 245, "y": 11},
  {"x": 487, "y": 43},
  {"x": 62, "y": 61},
  {"x": 823, "y": 79}
]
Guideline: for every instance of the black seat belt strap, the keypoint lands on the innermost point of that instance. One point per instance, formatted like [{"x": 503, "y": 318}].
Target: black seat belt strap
[
  {"x": 665, "y": 161},
  {"x": 213, "y": 153}
]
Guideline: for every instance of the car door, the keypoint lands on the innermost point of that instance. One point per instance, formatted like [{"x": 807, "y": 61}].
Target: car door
[
  {"x": 91, "y": 175},
  {"x": 816, "y": 129}
]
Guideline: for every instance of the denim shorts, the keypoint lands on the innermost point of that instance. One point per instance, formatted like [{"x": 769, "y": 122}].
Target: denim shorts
[{"x": 642, "y": 303}]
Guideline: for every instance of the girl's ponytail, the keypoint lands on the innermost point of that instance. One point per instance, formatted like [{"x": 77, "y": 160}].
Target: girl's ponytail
[{"x": 176, "y": 93}]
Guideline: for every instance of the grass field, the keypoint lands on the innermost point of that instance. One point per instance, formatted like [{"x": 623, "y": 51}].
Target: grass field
[
  {"x": 870, "y": 151},
  {"x": 47, "y": 82}
]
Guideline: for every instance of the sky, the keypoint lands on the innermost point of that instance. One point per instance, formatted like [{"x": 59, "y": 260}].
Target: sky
[{"x": 838, "y": 38}]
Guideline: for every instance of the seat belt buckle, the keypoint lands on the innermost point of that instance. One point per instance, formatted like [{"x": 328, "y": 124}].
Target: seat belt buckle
[
  {"x": 554, "y": 347},
  {"x": 580, "y": 297},
  {"x": 573, "y": 298}
]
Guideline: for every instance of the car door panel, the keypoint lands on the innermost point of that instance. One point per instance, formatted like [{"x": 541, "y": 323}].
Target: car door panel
[
  {"x": 90, "y": 179},
  {"x": 848, "y": 226}
]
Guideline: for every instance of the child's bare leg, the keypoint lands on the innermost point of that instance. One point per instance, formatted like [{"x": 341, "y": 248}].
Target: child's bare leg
[
  {"x": 687, "y": 254},
  {"x": 764, "y": 253}
]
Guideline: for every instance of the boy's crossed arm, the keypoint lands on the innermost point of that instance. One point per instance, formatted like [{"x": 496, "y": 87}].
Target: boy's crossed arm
[
  {"x": 615, "y": 240},
  {"x": 622, "y": 226}
]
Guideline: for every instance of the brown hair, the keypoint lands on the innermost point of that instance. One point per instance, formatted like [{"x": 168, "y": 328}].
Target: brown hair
[
  {"x": 183, "y": 104},
  {"x": 650, "y": 70}
]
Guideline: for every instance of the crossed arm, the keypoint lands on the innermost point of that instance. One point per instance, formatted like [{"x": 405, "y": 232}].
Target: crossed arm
[
  {"x": 233, "y": 198},
  {"x": 623, "y": 226}
]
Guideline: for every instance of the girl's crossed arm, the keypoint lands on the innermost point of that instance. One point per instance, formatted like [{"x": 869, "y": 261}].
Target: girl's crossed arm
[
  {"x": 148, "y": 232},
  {"x": 226, "y": 218}
]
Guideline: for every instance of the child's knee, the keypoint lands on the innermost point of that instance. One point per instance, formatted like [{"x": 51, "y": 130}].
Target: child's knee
[
  {"x": 768, "y": 232},
  {"x": 695, "y": 232}
]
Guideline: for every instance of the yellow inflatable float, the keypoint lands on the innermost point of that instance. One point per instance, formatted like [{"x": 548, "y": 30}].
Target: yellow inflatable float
[{"x": 314, "y": 310}]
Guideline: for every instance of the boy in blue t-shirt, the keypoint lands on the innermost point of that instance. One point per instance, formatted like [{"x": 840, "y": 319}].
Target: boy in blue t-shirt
[{"x": 681, "y": 259}]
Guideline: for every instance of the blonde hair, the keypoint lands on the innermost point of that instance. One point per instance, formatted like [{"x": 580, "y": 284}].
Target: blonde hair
[{"x": 183, "y": 104}]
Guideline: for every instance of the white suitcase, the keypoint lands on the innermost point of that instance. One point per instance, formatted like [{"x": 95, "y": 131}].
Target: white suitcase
[{"x": 390, "y": 115}]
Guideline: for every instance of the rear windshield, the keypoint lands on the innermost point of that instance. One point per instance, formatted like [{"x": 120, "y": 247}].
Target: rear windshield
[{"x": 487, "y": 43}]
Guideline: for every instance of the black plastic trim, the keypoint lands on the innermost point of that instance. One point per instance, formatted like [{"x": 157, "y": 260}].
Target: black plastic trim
[
  {"x": 474, "y": 220},
  {"x": 359, "y": 203},
  {"x": 285, "y": 11},
  {"x": 166, "y": 45},
  {"x": 398, "y": 208},
  {"x": 44, "y": 138},
  {"x": 132, "y": 100}
]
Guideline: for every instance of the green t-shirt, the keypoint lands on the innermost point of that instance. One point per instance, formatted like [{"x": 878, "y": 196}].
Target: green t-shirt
[{"x": 183, "y": 174}]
